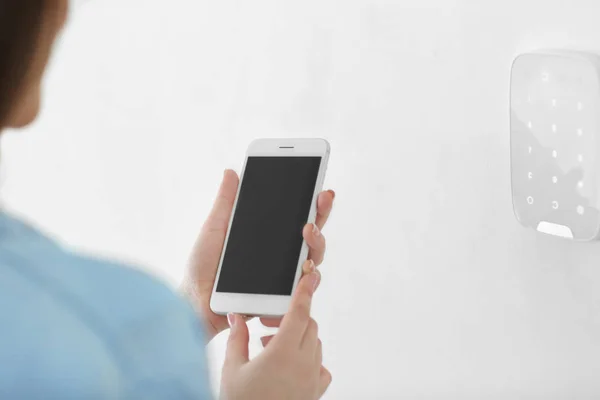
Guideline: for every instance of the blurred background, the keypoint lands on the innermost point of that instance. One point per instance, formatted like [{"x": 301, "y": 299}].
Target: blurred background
[{"x": 431, "y": 289}]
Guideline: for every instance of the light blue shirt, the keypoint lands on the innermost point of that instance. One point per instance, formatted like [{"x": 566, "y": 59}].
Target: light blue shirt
[{"x": 77, "y": 328}]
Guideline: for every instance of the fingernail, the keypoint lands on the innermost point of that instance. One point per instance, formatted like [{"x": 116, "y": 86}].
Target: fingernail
[
  {"x": 332, "y": 193},
  {"x": 312, "y": 266},
  {"x": 316, "y": 230},
  {"x": 231, "y": 320}
]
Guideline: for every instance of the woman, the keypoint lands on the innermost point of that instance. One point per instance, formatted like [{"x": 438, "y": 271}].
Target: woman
[{"x": 77, "y": 328}]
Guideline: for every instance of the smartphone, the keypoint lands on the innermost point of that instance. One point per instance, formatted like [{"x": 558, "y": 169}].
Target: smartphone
[{"x": 264, "y": 250}]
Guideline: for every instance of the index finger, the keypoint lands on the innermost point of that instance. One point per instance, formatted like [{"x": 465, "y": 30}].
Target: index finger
[{"x": 296, "y": 320}]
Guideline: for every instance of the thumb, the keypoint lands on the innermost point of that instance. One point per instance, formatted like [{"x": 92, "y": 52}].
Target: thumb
[
  {"x": 218, "y": 218},
  {"x": 237, "y": 345},
  {"x": 207, "y": 250}
]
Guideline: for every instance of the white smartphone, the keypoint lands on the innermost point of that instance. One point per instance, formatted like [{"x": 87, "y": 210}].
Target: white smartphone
[{"x": 264, "y": 250}]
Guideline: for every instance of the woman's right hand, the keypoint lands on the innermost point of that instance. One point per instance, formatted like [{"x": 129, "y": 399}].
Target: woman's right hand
[{"x": 290, "y": 367}]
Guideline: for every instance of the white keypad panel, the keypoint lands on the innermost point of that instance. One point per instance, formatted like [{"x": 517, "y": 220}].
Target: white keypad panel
[{"x": 555, "y": 133}]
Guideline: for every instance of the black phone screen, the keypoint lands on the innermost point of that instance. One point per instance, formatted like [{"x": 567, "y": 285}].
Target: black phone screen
[{"x": 265, "y": 240}]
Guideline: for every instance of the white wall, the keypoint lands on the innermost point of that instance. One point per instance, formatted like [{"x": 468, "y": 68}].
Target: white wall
[{"x": 431, "y": 289}]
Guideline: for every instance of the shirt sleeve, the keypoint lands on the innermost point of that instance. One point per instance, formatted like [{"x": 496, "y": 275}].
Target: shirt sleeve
[{"x": 168, "y": 351}]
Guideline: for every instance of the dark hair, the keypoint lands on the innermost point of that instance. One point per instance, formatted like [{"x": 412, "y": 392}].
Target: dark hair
[{"x": 20, "y": 26}]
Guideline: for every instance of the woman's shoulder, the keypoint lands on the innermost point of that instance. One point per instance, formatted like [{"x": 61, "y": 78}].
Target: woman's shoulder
[
  {"x": 141, "y": 323},
  {"x": 98, "y": 283}
]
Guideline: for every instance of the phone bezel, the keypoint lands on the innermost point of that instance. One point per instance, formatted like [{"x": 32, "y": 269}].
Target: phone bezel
[{"x": 271, "y": 305}]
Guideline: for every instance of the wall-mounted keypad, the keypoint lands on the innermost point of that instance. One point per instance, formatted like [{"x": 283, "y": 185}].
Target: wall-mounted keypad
[{"x": 555, "y": 106}]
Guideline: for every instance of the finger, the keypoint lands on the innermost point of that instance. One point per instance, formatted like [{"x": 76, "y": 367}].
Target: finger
[
  {"x": 237, "y": 345},
  {"x": 266, "y": 339},
  {"x": 210, "y": 242},
  {"x": 316, "y": 243},
  {"x": 218, "y": 219},
  {"x": 318, "y": 280},
  {"x": 311, "y": 336},
  {"x": 271, "y": 322},
  {"x": 324, "y": 206},
  {"x": 319, "y": 352},
  {"x": 296, "y": 320},
  {"x": 307, "y": 268},
  {"x": 324, "y": 381},
  {"x": 209, "y": 245}
]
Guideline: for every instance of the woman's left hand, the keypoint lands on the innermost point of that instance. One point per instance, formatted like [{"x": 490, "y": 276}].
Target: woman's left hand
[{"x": 200, "y": 277}]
